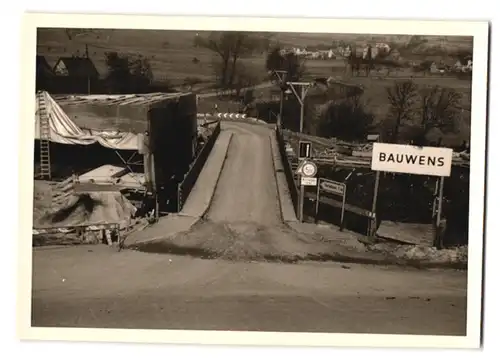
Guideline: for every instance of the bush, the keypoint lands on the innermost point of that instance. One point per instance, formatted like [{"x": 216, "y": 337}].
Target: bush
[
  {"x": 347, "y": 120},
  {"x": 267, "y": 111}
]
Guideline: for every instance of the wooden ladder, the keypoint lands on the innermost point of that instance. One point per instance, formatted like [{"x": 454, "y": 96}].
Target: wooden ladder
[{"x": 44, "y": 123}]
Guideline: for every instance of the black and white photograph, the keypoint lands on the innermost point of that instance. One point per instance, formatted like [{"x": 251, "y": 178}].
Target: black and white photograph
[{"x": 254, "y": 177}]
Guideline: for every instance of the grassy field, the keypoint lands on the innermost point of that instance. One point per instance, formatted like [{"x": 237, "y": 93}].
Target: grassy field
[
  {"x": 171, "y": 55},
  {"x": 172, "y": 52}
]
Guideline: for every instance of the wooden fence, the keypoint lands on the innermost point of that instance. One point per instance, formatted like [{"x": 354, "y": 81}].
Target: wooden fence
[
  {"x": 287, "y": 166},
  {"x": 184, "y": 188}
]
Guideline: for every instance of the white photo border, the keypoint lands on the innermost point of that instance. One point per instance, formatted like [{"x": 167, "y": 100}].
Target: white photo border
[{"x": 479, "y": 30}]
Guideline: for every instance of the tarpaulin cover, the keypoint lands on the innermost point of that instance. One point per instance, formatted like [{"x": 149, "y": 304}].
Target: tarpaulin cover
[{"x": 64, "y": 131}]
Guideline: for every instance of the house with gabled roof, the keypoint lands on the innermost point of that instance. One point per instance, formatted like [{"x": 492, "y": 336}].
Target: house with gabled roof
[{"x": 78, "y": 67}]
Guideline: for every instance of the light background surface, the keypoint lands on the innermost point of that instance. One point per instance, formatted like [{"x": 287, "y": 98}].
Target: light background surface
[
  {"x": 11, "y": 105},
  {"x": 476, "y": 205}
]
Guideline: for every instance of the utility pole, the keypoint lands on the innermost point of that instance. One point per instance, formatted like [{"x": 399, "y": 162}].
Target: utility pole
[
  {"x": 88, "y": 76},
  {"x": 304, "y": 88},
  {"x": 281, "y": 75}
]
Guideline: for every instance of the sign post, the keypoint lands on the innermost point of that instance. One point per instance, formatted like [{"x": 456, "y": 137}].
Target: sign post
[
  {"x": 409, "y": 159},
  {"x": 332, "y": 187},
  {"x": 342, "y": 212},
  {"x": 306, "y": 171},
  {"x": 316, "y": 210},
  {"x": 438, "y": 226},
  {"x": 373, "y": 220}
]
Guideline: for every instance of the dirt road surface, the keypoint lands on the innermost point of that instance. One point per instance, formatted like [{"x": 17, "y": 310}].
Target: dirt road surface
[
  {"x": 95, "y": 286},
  {"x": 229, "y": 285},
  {"x": 243, "y": 221},
  {"x": 246, "y": 191}
]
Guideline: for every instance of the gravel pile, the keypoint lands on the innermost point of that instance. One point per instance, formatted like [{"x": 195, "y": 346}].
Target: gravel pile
[{"x": 456, "y": 255}]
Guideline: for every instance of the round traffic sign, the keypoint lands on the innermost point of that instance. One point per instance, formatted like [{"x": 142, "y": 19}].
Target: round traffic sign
[{"x": 309, "y": 169}]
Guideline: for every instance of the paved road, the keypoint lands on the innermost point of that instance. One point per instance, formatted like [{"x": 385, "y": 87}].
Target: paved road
[{"x": 97, "y": 287}]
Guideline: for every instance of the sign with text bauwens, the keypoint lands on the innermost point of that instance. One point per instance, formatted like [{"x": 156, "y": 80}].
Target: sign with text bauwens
[{"x": 399, "y": 158}]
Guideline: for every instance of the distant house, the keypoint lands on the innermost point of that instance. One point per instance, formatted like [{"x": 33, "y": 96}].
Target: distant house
[
  {"x": 373, "y": 137},
  {"x": 434, "y": 68},
  {"x": 395, "y": 55},
  {"x": 468, "y": 67},
  {"x": 77, "y": 67},
  {"x": 75, "y": 75}
]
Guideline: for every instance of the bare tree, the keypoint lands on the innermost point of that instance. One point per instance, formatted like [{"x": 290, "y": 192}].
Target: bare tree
[
  {"x": 402, "y": 97},
  {"x": 230, "y": 46},
  {"x": 439, "y": 107},
  {"x": 128, "y": 73},
  {"x": 294, "y": 66}
]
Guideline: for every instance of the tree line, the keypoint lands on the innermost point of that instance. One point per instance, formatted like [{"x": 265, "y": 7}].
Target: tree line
[
  {"x": 345, "y": 114},
  {"x": 342, "y": 115}
]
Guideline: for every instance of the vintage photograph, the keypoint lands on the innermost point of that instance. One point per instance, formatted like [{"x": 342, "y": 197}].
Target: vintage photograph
[{"x": 252, "y": 181}]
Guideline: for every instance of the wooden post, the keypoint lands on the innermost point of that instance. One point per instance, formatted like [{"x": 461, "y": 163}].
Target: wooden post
[
  {"x": 374, "y": 204},
  {"x": 342, "y": 212},
  {"x": 154, "y": 187},
  {"x": 438, "y": 238},
  {"x": 316, "y": 213},
  {"x": 302, "y": 99},
  {"x": 440, "y": 201},
  {"x": 301, "y": 201},
  {"x": 280, "y": 116},
  {"x": 147, "y": 171},
  {"x": 434, "y": 210}
]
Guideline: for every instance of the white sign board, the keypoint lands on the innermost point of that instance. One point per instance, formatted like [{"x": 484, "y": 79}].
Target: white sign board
[
  {"x": 308, "y": 181},
  {"x": 307, "y": 169},
  {"x": 332, "y": 187},
  {"x": 398, "y": 158}
]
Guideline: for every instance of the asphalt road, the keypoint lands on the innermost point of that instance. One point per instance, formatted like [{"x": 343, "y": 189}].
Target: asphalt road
[{"x": 94, "y": 286}]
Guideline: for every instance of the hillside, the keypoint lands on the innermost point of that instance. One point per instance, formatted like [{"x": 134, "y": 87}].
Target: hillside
[{"x": 172, "y": 53}]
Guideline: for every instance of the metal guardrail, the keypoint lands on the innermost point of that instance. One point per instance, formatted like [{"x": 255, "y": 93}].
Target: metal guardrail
[{"x": 184, "y": 188}]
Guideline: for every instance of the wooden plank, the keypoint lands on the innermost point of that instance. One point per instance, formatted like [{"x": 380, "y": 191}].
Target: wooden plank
[
  {"x": 338, "y": 204},
  {"x": 103, "y": 174},
  {"x": 96, "y": 187},
  {"x": 82, "y": 227},
  {"x": 410, "y": 233}
]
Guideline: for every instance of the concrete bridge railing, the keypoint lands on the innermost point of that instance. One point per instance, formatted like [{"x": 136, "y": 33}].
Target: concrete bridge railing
[
  {"x": 184, "y": 188},
  {"x": 287, "y": 167}
]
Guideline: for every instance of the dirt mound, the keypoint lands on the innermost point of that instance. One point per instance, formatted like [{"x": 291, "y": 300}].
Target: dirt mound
[
  {"x": 93, "y": 208},
  {"x": 246, "y": 242}
]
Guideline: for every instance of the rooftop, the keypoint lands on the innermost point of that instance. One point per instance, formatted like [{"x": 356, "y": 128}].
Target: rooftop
[
  {"x": 77, "y": 66},
  {"x": 122, "y": 112},
  {"x": 116, "y": 99}
]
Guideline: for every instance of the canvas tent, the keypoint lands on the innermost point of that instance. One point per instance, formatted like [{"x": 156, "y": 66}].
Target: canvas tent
[{"x": 64, "y": 131}]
